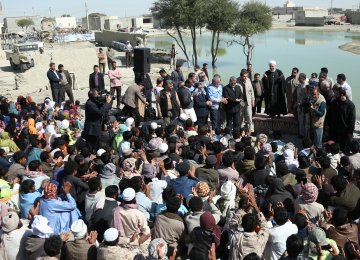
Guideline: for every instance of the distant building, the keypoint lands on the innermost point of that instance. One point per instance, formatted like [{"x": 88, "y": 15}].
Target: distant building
[
  {"x": 96, "y": 22},
  {"x": 48, "y": 24},
  {"x": 66, "y": 22},
  {"x": 10, "y": 24},
  {"x": 310, "y": 17},
  {"x": 353, "y": 17},
  {"x": 288, "y": 8},
  {"x": 113, "y": 23}
]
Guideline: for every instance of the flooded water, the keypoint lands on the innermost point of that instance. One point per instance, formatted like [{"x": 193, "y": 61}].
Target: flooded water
[{"x": 307, "y": 50}]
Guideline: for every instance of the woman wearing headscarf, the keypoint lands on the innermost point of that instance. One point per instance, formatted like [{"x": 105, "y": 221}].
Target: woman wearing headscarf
[
  {"x": 60, "y": 213},
  {"x": 278, "y": 193},
  {"x": 12, "y": 109},
  {"x": 204, "y": 236},
  {"x": 306, "y": 203},
  {"x": 5, "y": 141},
  {"x": 227, "y": 200}
]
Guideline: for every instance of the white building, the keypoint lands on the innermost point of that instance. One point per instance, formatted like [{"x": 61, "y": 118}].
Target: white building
[
  {"x": 310, "y": 17},
  {"x": 289, "y": 4},
  {"x": 66, "y": 22}
]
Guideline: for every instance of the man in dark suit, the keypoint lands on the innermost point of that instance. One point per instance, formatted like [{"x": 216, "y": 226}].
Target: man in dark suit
[
  {"x": 55, "y": 80},
  {"x": 94, "y": 114},
  {"x": 96, "y": 80},
  {"x": 66, "y": 86},
  {"x": 232, "y": 92}
]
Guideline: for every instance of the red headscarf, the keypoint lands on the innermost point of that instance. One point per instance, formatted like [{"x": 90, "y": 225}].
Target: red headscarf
[
  {"x": 207, "y": 223},
  {"x": 50, "y": 191}
]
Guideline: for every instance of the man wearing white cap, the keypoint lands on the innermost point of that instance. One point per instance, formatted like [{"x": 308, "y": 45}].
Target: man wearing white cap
[
  {"x": 274, "y": 85},
  {"x": 128, "y": 52},
  {"x": 83, "y": 247}
]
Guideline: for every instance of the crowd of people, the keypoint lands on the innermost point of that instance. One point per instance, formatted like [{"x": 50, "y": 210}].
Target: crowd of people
[{"x": 181, "y": 186}]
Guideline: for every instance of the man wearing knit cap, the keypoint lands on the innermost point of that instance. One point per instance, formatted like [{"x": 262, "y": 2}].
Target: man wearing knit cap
[
  {"x": 183, "y": 185},
  {"x": 274, "y": 85},
  {"x": 12, "y": 236},
  {"x": 83, "y": 247},
  {"x": 208, "y": 173}
]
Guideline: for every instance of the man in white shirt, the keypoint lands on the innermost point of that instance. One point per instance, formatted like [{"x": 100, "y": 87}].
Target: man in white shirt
[
  {"x": 341, "y": 80},
  {"x": 276, "y": 245}
]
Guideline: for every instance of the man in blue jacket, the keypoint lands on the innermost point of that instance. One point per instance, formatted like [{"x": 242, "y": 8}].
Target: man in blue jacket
[{"x": 55, "y": 80}]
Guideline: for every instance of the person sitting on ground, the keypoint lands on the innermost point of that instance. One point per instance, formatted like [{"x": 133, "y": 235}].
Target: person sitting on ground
[
  {"x": 347, "y": 194},
  {"x": 294, "y": 247},
  {"x": 93, "y": 195},
  {"x": 52, "y": 248},
  {"x": 208, "y": 173},
  {"x": 35, "y": 173},
  {"x": 28, "y": 195},
  {"x": 186, "y": 181}
]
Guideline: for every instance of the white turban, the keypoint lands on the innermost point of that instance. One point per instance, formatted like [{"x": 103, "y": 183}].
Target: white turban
[{"x": 272, "y": 62}]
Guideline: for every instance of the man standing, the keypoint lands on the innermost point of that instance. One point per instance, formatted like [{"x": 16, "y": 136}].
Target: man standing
[
  {"x": 177, "y": 76},
  {"x": 173, "y": 53},
  {"x": 55, "y": 83},
  {"x": 96, "y": 80},
  {"x": 232, "y": 93},
  {"x": 130, "y": 98},
  {"x": 258, "y": 93},
  {"x": 66, "y": 83},
  {"x": 129, "y": 51},
  {"x": 342, "y": 120},
  {"x": 102, "y": 60},
  {"x": 274, "y": 85},
  {"x": 318, "y": 111},
  {"x": 205, "y": 69},
  {"x": 329, "y": 79},
  {"x": 341, "y": 80},
  {"x": 300, "y": 94},
  {"x": 186, "y": 100},
  {"x": 115, "y": 76},
  {"x": 166, "y": 77},
  {"x": 110, "y": 54},
  {"x": 290, "y": 85},
  {"x": 215, "y": 95},
  {"x": 168, "y": 104},
  {"x": 248, "y": 100},
  {"x": 94, "y": 113}
]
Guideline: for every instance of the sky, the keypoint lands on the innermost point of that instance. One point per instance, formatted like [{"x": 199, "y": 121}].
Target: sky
[{"x": 123, "y": 8}]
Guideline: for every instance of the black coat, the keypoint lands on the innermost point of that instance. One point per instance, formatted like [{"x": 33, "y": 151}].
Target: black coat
[
  {"x": 274, "y": 86},
  {"x": 228, "y": 92},
  {"x": 54, "y": 81},
  {"x": 342, "y": 116},
  {"x": 200, "y": 106},
  {"x": 93, "y": 117},
  {"x": 185, "y": 98},
  {"x": 100, "y": 79}
]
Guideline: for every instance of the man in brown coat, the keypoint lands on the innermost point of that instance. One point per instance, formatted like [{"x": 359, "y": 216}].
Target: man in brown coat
[
  {"x": 66, "y": 85},
  {"x": 130, "y": 99}
]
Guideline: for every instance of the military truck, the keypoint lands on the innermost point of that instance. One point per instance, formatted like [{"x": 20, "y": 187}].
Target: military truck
[{"x": 22, "y": 56}]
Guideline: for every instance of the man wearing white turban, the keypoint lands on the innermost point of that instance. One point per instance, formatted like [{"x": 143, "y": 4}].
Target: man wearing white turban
[{"x": 274, "y": 85}]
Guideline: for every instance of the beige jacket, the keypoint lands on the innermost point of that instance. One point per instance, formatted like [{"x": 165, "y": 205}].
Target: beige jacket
[
  {"x": 131, "y": 95},
  {"x": 244, "y": 243},
  {"x": 250, "y": 96}
]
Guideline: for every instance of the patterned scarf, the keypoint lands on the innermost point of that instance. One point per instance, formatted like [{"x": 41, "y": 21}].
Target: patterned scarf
[
  {"x": 309, "y": 193},
  {"x": 50, "y": 191}
]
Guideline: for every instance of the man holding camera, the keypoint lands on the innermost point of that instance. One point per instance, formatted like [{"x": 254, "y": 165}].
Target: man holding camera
[{"x": 95, "y": 110}]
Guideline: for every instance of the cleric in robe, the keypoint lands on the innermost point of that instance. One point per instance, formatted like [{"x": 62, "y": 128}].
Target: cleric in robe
[{"x": 274, "y": 86}]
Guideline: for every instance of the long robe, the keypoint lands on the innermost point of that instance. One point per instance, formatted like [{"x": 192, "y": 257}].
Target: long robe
[{"x": 275, "y": 99}]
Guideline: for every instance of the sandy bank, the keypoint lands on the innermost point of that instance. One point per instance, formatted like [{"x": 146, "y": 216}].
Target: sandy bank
[{"x": 353, "y": 47}]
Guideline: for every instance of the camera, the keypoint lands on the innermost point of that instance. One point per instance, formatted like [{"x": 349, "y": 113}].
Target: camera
[
  {"x": 103, "y": 94},
  {"x": 306, "y": 103}
]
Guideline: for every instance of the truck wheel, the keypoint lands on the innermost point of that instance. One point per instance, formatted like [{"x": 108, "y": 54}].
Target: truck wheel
[
  {"x": 23, "y": 67},
  {"x": 32, "y": 63},
  {"x": 13, "y": 65}
]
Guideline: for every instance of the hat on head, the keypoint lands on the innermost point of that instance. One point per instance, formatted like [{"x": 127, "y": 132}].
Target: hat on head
[
  {"x": 183, "y": 117},
  {"x": 149, "y": 171},
  {"x": 79, "y": 229},
  {"x": 317, "y": 235},
  {"x": 153, "y": 251},
  {"x": 163, "y": 148},
  {"x": 183, "y": 167},
  {"x": 228, "y": 190},
  {"x": 202, "y": 189},
  {"x": 123, "y": 128},
  {"x": 224, "y": 141},
  {"x": 290, "y": 146},
  {"x": 129, "y": 121},
  {"x": 272, "y": 62},
  {"x": 100, "y": 152},
  {"x": 10, "y": 222},
  {"x": 262, "y": 138},
  {"x": 128, "y": 194},
  {"x": 127, "y": 151},
  {"x": 40, "y": 227},
  {"x": 111, "y": 234},
  {"x": 153, "y": 125},
  {"x": 211, "y": 160},
  {"x": 108, "y": 171},
  {"x": 266, "y": 150},
  {"x": 154, "y": 144},
  {"x": 112, "y": 119}
]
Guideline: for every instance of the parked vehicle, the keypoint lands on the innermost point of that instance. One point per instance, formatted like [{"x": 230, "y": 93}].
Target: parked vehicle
[{"x": 22, "y": 56}]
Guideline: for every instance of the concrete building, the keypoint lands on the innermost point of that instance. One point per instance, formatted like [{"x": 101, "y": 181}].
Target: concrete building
[
  {"x": 11, "y": 26},
  {"x": 96, "y": 22},
  {"x": 108, "y": 37},
  {"x": 288, "y": 8},
  {"x": 48, "y": 24},
  {"x": 310, "y": 17},
  {"x": 66, "y": 22},
  {"x": 113, "y": 23},
  {"x": 353, "y": 17}
]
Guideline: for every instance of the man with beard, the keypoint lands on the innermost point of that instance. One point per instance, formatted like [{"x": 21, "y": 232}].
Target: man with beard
[{"x": 274, "y": 85}]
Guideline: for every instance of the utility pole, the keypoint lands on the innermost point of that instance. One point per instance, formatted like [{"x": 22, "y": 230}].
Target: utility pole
[
  {"x": 331, "y": 8},
  {"x": 87, "y": 17}
]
